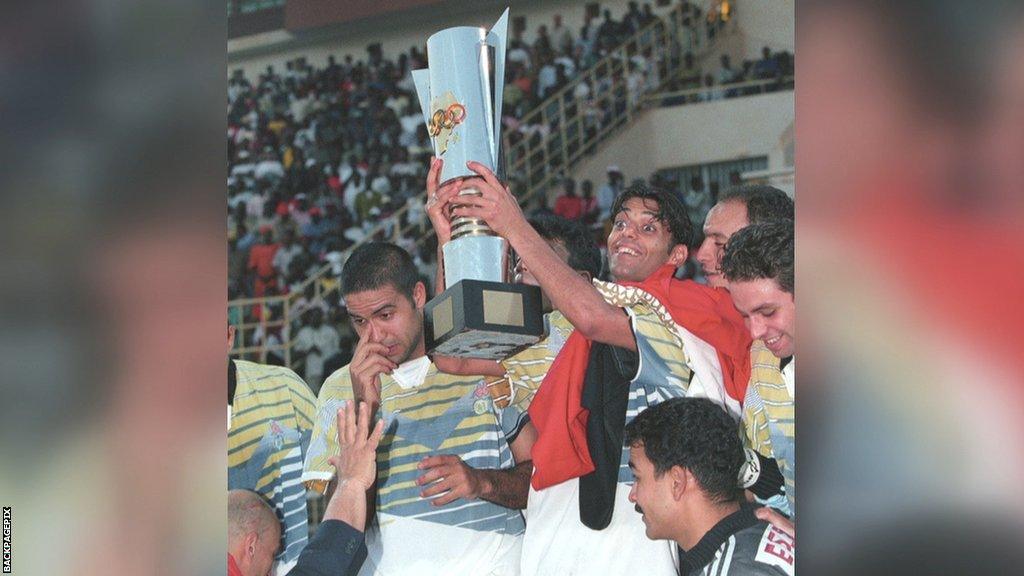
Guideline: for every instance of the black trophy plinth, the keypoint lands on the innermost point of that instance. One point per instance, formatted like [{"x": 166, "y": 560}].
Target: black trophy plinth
[{"x": 479, "y": 319}]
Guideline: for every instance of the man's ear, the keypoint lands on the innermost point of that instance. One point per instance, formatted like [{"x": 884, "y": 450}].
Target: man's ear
[
  {"x": 586, "y": 275},
  {"x": 682, "y": 480},
  {"x": 419, "y": 295},
  {"x": 677, "y": 256},
  {"x": 252, "y": 539}
]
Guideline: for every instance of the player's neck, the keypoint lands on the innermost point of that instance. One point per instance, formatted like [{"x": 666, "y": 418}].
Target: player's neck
[{"x": 702, "y": 518}]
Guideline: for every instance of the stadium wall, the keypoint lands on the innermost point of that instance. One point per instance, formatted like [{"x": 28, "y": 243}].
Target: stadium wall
[
  {"x": 695, "y": 134},
  {"x": 765, "y": 23},
  {"x": 398, "y": 32}
]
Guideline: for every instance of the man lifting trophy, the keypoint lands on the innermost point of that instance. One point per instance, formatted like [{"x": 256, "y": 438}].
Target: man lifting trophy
[{"x": 480, "y": 314}]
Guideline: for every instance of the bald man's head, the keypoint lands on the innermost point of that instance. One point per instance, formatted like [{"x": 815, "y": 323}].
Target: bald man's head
[{"x": 254, "y": 533}]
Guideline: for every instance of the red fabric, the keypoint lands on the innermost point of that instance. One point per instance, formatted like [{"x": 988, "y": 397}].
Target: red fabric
[
  {"x": 560, "y": 452},
  {"x": 569, "y": 207},
  {"x": 233, "y": 569}
]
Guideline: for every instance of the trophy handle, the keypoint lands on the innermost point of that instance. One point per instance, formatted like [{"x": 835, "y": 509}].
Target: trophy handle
[
  {"x": 498, "y": 38},
  {"x": 421, "y": 79}
]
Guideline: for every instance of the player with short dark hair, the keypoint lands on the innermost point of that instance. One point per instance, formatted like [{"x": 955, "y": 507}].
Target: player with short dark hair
[
  {"x": 758, "y": 265},
  {"x": 454, "y": 469},
  {"x": 685, "y": 456}
]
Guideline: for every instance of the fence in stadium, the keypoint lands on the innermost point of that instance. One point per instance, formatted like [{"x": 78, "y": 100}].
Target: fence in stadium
[{"x": 533, "y": 164}]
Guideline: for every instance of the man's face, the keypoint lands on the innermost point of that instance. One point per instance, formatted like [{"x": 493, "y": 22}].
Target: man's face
[
  {"x": 387, "y": 316},
  {"x": 652, "y": 495},
  {"x": 722, "y": 222},
  {"x": 769, "y": 312},
  {"x": 639, "y": 243}
]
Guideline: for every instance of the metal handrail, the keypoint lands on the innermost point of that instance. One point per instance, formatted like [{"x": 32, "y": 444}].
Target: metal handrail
[{"x": 782, "y": 81}]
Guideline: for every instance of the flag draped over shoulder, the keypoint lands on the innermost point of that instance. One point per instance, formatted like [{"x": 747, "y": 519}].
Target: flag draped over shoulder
[{"x": 561, "y": 451}]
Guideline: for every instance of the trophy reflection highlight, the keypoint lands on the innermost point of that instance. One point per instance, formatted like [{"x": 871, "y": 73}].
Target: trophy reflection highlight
[{"x": 481, "y": 314}]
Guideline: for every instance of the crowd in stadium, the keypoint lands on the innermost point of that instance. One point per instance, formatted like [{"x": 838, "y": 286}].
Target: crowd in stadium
[
  {"x": 319, "y": 158},
  {"x": 474, "y": 466}
]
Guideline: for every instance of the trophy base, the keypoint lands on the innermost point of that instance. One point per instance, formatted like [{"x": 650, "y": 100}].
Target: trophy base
[{"x": 487, "y": 320}]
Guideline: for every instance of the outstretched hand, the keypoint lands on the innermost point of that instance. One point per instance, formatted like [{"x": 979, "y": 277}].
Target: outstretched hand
[{"x": 356, "y": 462}]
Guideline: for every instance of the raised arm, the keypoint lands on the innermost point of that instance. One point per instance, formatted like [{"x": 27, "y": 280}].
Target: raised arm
[{"x": 569, "y": 292}]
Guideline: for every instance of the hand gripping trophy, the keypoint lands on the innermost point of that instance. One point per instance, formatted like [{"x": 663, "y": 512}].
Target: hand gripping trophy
[{"x": 480, "y": 314}]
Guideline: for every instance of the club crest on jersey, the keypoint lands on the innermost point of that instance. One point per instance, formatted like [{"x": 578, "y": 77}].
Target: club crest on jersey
[{"x": 277, "y": 433}]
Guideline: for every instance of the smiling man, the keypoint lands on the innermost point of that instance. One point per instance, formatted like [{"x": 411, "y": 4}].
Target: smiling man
[
  {"x": 452, "y": 471},
  {"x": 684, "y": 455},
  {"x": 758, "y": 264},
  {"x": 737, "y": 209},
  {"x": 637, "y": 341}
]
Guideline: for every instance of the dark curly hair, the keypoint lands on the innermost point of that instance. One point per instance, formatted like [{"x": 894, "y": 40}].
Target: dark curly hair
[
  {"x": 695, "y": 434},
  {"x": 761, "y": 251},
  {"x": 764, "y": 203},
  {"x": 584, "y": 255},
  {"x": 378, "y": 264},
  {"x": 671, "y": 211}
]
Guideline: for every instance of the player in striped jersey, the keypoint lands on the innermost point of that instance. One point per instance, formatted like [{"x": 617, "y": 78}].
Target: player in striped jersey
[
  {"x": 270, "y": 419},
  {"x": 632, "y": 353},
  {"x": 452, "y": 469},
  {"x": 738, "y": 208},
  {"x": 758, "y": 264},
  {"x": 685, "y": 455}
]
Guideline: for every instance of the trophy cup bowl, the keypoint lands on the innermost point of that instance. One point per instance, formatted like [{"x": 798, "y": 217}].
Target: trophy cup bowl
[{"x": 481, "y": 314}]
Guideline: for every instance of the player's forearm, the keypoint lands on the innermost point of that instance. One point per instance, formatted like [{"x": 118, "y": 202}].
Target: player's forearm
[
  {"x": 509, "y": 487},
  {"x": 570, "y": 293},
  {"x": 468, "y": 366},
  {"x": 348, "y": 504}
]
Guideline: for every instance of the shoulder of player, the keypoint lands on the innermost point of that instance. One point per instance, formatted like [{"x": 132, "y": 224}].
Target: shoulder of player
[
  {"x": 763, "y": 549},
  {"x": 266, "y": 375}
]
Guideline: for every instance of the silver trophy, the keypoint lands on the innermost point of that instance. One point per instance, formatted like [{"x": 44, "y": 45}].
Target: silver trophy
[{"x": 480, "y": 314}]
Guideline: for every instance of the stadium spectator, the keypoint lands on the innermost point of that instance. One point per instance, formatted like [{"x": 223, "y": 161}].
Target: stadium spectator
[
  {"x": 562, "y": 36},
  {"x": 685, "y": 455},
  {"x": 608, "y": 33},
  {"x": 315, "y": 342},
  {"x": 632, "y": 21},
  {"x": 591, "y": 210},
  {"x": 767, "y": 67},
  {"x": 609, "y": 191},
  {"x": 237, "y": 260},
  {"x": 568, "y": 205},
  {"x": 261, "y": 261},
  {"x": 726, "y": 73},
  {"x": 317, "y": 230},
  {"x": 709, "y": 95},
  {"x": 286, "y": 252}
]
